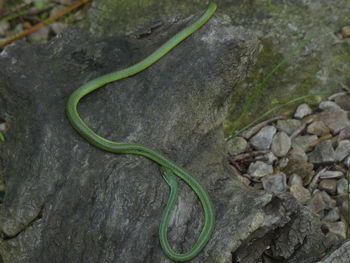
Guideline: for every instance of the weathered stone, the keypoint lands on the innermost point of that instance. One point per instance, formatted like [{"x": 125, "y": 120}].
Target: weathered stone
[
  {"x": 318, "y": 128},
  {"x": 259, "y": 169},
  {"x": 316, "y": 203},
  {"x": 329, "y": 106},
  {"x": 345, "y": 31},
  {"x": 4, "y": 27},
  {"x": 342, "y": 150},
  {"x": 323, "y": 153},
  {"x": 302, "y": 111},
  {"x": 329, "y": 201},
  {"x": 300, "y": 193},
  {"x": 271, "y": 158},
  {"x": 340, "y": 255},
  {"x": 343, "y": 101},
  {"x": 288, "y": 126},
  {"x": 320, "y": 201},
  {"x": 332, "y": 215},
  {"x": 344, "y": 134},
  {"x": 280, "y": 144},
  {"x": 347, "y": 161},
  {"x": 335, "y": 120},
  {"x": 275, "y": 183},
  {"x": 297, "y": 154},
  {"x": 236, "y": 145},
  {"x": 262, "y": 140},
  {"x": 328, "y": 185},
  {"x": 41, "y": 35},
  {"x": 63, "y": 195},
  {"x": 303, "y": 141},
  {"x": 58, "y": 27},
  {"x": 295, "y": 179},
  {"x": 342, "y": 186},
  {"x": 338, "y": 228},
  {"x": 300, "y": 168}
]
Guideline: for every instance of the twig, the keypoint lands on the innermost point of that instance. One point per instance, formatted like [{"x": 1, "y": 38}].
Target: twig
[
  {"x": 247, "y": 155},
  {"x": 315, "y": 180},
  {"x": 332, "y": 97},
  {"x": 253, "y": 130},
  {"x": 302, "y": 127},
  {"x": 45, "y": 22},
  {"x": 319, "y": 140}
]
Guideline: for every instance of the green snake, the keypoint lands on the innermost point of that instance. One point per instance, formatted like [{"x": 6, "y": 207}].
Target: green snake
[{"x": 170, "y": 170}]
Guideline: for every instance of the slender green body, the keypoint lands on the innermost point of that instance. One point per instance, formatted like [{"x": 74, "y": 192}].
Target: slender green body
[{"x": 171, "y": 168}]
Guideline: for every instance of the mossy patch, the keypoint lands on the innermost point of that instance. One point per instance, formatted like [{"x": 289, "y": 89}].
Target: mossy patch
[{"x": 255, "y": 95}]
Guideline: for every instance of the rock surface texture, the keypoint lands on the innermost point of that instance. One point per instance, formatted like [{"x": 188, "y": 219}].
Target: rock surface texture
[{"x": 70, "y": 202}]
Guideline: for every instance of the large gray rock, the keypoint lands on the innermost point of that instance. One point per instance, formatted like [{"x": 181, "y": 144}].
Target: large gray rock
[{"x": 70, "y": 202}]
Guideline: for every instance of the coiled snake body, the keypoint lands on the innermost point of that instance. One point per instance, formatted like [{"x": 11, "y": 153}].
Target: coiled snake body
[{"x": 170, "y": 170}]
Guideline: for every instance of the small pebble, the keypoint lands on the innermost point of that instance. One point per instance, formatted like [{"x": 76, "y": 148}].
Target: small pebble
[
  {"x": 329, "y": 201},
  {"x": 329, "y": 106},
  {"x": 335, "y": 120},
  {"x": 323, "y": 153},
  {"x": 300, "y": 168},
  {"x": 303, "y": 141},
  {"x": 345, "y": 31},
  {"x": 297, "y": 154},
  {"x": 271, "y": 158},
  {"x": 288, "y": 126},
  {"x": 236, "y": 145},
  {"x": 281, "y": 144},
  {"x": 329, "y": 185},
  {"x": 316, "y": 203},
  {"x": 262, "y": 140},
  {"x": 300, "y": 193},
  {"x": 343, "y": 150},
  {"x": 332, "y": 215},
  {"x": 4, "y": 27},
  {"x": 318, "y": 128},
  {"x": 344, "y": 134},
  {"x": 275, "y": 183},
  {"x": 302, "y": 111},
  {"x": 259, "y": 169},
  {"x": 342, "y": 186},
  {"x": 41, "y": 35},
  {"x": 338, "y": 228},
  {"x": 295, "y": 179},
  {"x": 343, "y": 101}
]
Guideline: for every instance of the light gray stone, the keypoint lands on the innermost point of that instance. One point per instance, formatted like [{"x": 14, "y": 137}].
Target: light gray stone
[
  {"x": 300, "y": 193},
  {"x": 259, "y": 169},
  {"x": 262, "y": 140},
  {"x": 4, "y": 27},
  {"x": 342, "y": 186},
  {"x": 236, "y": 145},
  {"x": 275, "y": 183},
  {"x": 338, "y": 228},
  {"x": 332, "y": 215},
  {"x": 329, "y": 106},
  {"x": 288, "y": 126},
  {"x": 281, "y": 144},
  {"x": 295, "y": 179},
  {"x": 318, "y": 128},
  {"x": 342, "y": 150},
  {"x": 340, "y": 255},
  {"x": 302, "y": 111},
  {"x": 303, "y": 141},
  {"x": 323, "y": 153},
  {"x": 343, "y": 101},
  {"x": 297, "y": 154},
  {"x": 329, "y": 185},
  {"x": 335, "y": 120}
]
